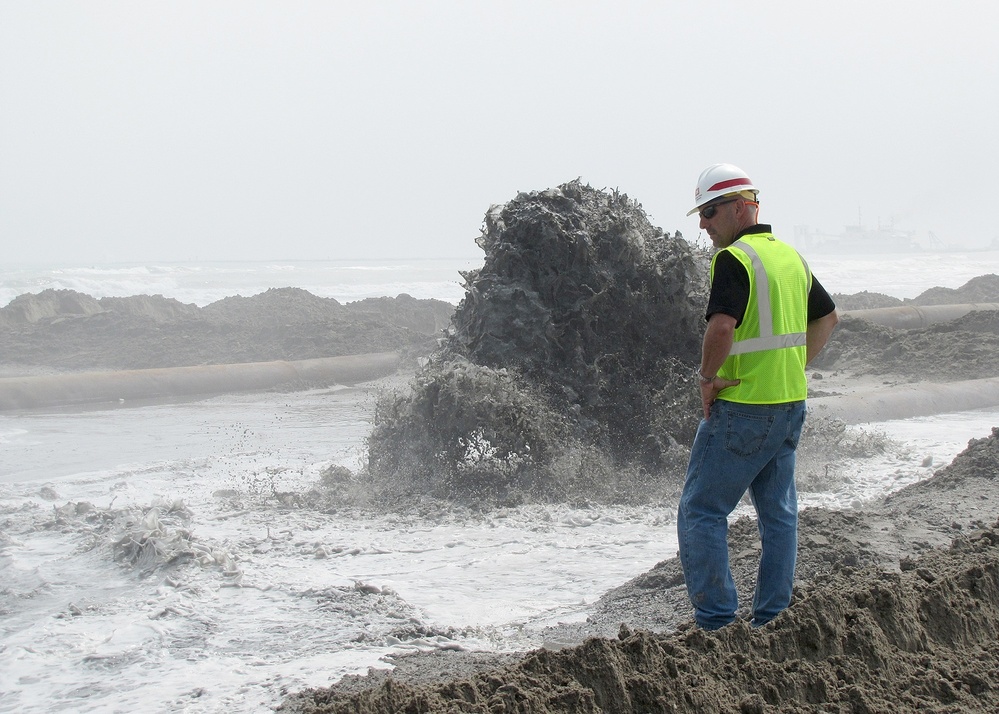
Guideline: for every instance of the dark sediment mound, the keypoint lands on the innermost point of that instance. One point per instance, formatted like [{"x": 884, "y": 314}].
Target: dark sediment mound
[
  {"x": 984, "y": 288},
  {"x": 66, "y": 330},
  {"x": 405, "y": 311},
  {"x": 855, "y": 640},
  {"x": 47, "y": 306},
  {"x": 274, "y": 308},
  {"x": 567, "y": 364},
  {"x": 965, "y": 348},
  {"x": 865, "y": 301},
  {"x": 919, "y": 640},
  {"x": 155, "y": 309},
  {"x": 897, "y": 610},
  {"x": 983, "y": 321}
]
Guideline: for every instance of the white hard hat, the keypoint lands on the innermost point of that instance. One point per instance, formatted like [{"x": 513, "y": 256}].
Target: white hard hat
[{"x": 720, "y": 180}]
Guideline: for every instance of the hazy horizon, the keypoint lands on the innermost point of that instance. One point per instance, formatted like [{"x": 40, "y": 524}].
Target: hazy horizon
[{"x": 141, "y": 131}]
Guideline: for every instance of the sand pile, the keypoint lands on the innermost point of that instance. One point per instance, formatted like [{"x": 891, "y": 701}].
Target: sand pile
[
  {"x": 920, "y": 640},
  {"x": 984, "y": 288},
  {"x": 965, "y": 348},
  {"x": 66, "y": 330},
  {"x": 886, "y": 620}
]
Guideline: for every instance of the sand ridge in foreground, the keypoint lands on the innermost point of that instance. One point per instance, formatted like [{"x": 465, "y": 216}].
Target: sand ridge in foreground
[{"x": 898, "y": 611}]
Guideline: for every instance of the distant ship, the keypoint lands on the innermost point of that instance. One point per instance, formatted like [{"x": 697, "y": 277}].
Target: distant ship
[
  {"x": 862, "y": 239},
  {"x": 858, "y": 239}
]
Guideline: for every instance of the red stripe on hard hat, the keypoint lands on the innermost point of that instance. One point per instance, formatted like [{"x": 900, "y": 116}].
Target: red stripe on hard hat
[{"x": 730, "y": 183}]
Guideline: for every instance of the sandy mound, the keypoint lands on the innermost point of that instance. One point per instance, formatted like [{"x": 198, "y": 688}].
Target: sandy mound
[
  {"x": 966, "y": 348},
  {"x": 984, "y": 288},
  {"x": 65, "y": 330},
  {"x": 981, "y": 289},
  {"x": 48, "y": 305},
  {"x": 872, "y": 629}
]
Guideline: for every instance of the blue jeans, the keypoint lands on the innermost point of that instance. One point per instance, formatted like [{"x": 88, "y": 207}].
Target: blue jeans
[{"x": 740, "y": 447}]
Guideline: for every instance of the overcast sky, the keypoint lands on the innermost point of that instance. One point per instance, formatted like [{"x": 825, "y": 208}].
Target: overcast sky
[{"x": 242, "y": 130}]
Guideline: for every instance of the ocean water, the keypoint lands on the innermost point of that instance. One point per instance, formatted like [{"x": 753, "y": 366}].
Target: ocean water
[{"x": 279, "y": 596}]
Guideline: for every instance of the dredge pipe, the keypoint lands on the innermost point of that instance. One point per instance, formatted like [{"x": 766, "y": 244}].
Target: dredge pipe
[
  {"x": 909, "y": 317},
  {"x": 97, "y": 387},
  {"x": 909, "y": 400}
]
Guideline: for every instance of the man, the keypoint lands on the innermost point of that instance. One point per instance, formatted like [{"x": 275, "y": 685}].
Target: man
[{"x": 767, "y": 318}]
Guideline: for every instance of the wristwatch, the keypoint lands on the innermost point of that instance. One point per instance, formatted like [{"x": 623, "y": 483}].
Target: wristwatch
[{"x": 704, "y": 380}]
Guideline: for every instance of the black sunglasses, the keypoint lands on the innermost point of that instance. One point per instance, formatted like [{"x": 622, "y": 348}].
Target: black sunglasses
[{"x": 710, "y": 211}]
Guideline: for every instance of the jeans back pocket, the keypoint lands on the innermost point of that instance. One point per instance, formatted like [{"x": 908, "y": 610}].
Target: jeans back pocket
[{"x": 745, "y": 434}]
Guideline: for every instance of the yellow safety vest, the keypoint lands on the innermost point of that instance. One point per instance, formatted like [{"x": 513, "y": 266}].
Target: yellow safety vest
[{"x": 768, "y": 351}]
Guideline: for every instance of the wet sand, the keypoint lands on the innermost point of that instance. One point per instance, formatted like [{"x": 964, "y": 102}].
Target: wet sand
[{"x": 896, "y": 610}]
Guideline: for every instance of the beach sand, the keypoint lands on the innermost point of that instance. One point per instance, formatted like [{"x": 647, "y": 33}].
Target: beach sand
[{"x": 896, "y": 610}]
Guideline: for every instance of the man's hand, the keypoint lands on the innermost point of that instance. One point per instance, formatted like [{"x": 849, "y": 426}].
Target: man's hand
[
  {"x": 709, "y": 392},
  {"x": 717, "y": 343}
]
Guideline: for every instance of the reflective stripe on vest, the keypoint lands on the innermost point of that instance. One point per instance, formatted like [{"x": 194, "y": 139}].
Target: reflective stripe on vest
[{"x": 767, "y": 339}]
